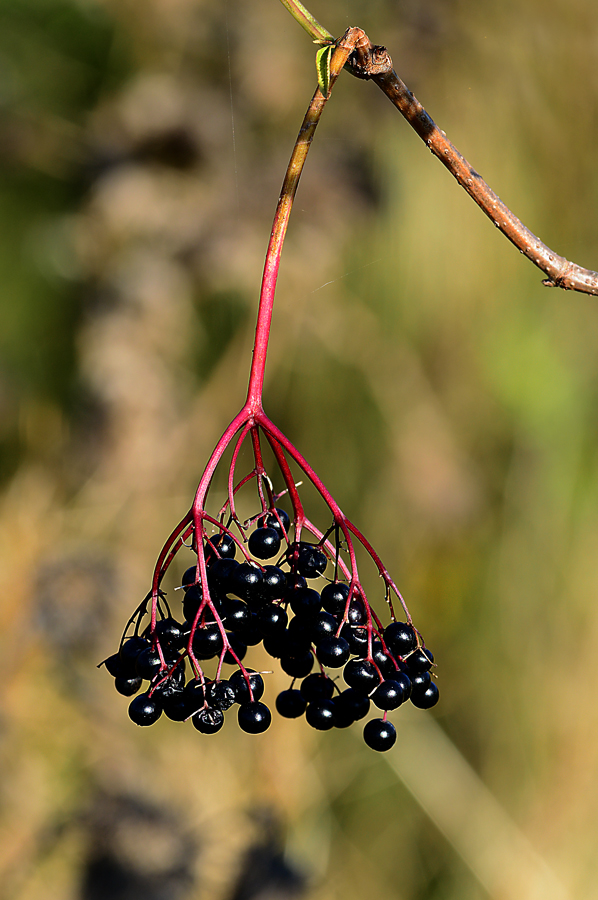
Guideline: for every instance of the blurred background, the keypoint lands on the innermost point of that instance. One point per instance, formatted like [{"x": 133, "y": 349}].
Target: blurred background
[{"x": 447, "y": 399}]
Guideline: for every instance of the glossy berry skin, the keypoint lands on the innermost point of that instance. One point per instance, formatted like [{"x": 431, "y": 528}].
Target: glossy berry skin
[
  {"x": 291, "y": 704},
  {"x": 356, "y": 614},
  {"x": 356, "y": 703},
  {"x": 320, "y": 714},
  {"x": 311, "y": 561},
  {"x": 400, "y": 638},
  {"x": 389, "y": 695},
  {"x": 207, "y": 642},
  {"x": 305, "y": 602},
  {"x": 425, "y": 699},
  {"x": 271, "y": 521},
  {"x": 274, "y": 583},
  {"x": 236, "y": 614},
  {"x": 189, "y": 577},
  {"x": 143, "y": 710},
  {"x": 420, "y": 661},
  {"x": 271, "y": 619},
  {"x": 130, "y": 650},
  {"x": 148, "y": 663},
  {"x": 127, "y": 685},
  {"x": 383, "y": 660},
  {"x": 208, "y": 721},
  {"x": 334, "y": 597},
  {"x": 254, "y": 718},
  {"x": 379, "y": 734},
  {"x": 297, "y": 666},
  {"x": 239, "y": 685},
  {"x": 246, "y": 581},
  {"x": 361, "y": 674},
  {"x": 264, "y": 543},
  {"x": 420, "y": 682},
  {"x": 191, "y": 602},
  {"x": 220, "y": 573},
  {"x": 169, "y": 632},
  {"x": 250, "y": 632},
  {"x": 317, "y": 687},
  {"x": 221, "y": 545},
  {"x": 333, "y": 652},
  {"x": 324, "y": 625},
  {"x": 357, "y": 638}
]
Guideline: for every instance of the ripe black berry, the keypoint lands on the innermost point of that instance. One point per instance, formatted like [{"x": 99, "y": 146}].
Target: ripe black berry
[
  {"x": 246, "y": 581},
  {"x": 305, "y": 602},
  {"x": 271, "y": 521},
  {"x": 127, "y": 686},
  {"x": 297, "y": 666},
  {"x": 272, "y": 619},
  {"x": 311, "y": 561},
  {"x": 354, "y": 703},
  {"x": 189, "y": 577},
  {"x": 148, "y": 663},
  {"x": 170, "y": 633},
  {"x": 333, "y": 652},
  {"x": 236, "y": 614},
  {"x": 334, "y": 597},
  {"x": 239, "y": 685},
  {"x": 291, "y": 704},
  {"x": 320, "y": 714},
  {"x": 383, "y": 660},
  {"x": 191, "y": 601},
  {"x": 324, "y": 625},
  {"x": 379, "y": 734},
  {"x": 207, "y": 642},
  {"x": 208, "y": 721},
  {"x": 220, "y": 574},
  {"x": 254, "y": 718},
  {"x": 143, "y": 710},
  {"x": 425, "y": 699},
  {"x": 400, "y": 638},
  {"x": 221, "y": 545},
  {"x": 357, "y": 638},
  {"x": 114, "y": 665},
  {"x": 361, "y": 674},
  {"x": 389, "y": 695},
  {"x": 274, "y": 583},
  {"x": 131, "y": 649},
  {"x": 420, "y": 660},
  {"x": 264, "y": 543},
  {"x": 317, "y": 687},
  {"x": 356, "y": 614}
]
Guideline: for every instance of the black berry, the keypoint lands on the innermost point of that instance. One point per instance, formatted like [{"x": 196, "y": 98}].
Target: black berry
[
  {"x": 389, "y": 695},
  {"x": 320, "y": 714},
  {"x": 361, "y": 674},
  {"x": 272, "y": 521},
  {"x": 400, "y": 638},
  {"x": 127, "y": 686},
  {"x": 297, "y": 666},
  {"x": 254, "y": 718},
  {"x": 333, "y": 652},
  {"x": 425, "y": 699},
  {"x": 264, "y": 543},
  {"x": 239, "y": 685},
  {"x": 208, "y": 721},
  {"x": 379, "y": 734},
  {"x": 334, "y": 597},
  {"x": 291, "y": 704},
  {"x": 317, "y": 687},
  {"x": 143, "y": 710}
]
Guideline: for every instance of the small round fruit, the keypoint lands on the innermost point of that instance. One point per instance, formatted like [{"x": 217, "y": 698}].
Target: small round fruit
[
  {"x": 425, "y": 699},
  {"x": 144, "y": 710},
  {"x": 170, "y": 633},
  {"x": 278, "y": 522},
  {"x": 420, "y": 660},
  {"x": 379, "y": 734},
  {"x": 148, "y": 663},
  {"x": 291, "y": 704},
  {"x": 220, "y": 695},
  {"x": 114, "y": 666},
  {"x": 333, "y": 652},
  {"x": 389, "y": 695},
  {"x": 131, "y": 649},
  {"x": 274, "y": 583},
  {"x": 305, "y": 602},
  {"x": 240, "y": 649},
  {"x": 297, "y": 666},
  {"x": 324, "y": 625},
  {"x": 127, "y": 686},
  {"x": 353, "y": 702},
  {"x": 400, "y": 638},
  {"x": 320, "y": 714},
  {"x": 264, "y": 543},
  {"x": 272, "y": 619},
  {"x": 334, "y": 597},
  {"x": 317, "y": 687},
  {"x": 361, "y": 674},
  {"x": 357, "y": 638},
  {"x": 246, "y": 581},
  {"x": 208, "y": 721},
  {"x": 254, "y": 718},
  {"x": 207, "y": 642},
  {"x": 221, "y": 545},
  {"x": 239, "y": 685},
  {"x": 311, "y": 561}
]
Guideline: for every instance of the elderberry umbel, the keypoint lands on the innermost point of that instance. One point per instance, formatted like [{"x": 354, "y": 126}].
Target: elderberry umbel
[{"x": 272, "y": 577}]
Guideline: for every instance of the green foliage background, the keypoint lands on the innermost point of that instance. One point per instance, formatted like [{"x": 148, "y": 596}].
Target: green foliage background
[{"x": 448, "y": 400}]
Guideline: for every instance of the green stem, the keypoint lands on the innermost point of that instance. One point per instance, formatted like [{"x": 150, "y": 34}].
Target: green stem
[{"x": 307, "y": 21}]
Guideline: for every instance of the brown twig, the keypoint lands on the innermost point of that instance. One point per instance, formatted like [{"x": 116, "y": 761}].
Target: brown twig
[{"x": 373, "y": 62}]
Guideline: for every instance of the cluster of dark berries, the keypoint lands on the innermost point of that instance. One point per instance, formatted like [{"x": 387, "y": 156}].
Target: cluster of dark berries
[{"x": 239, "y": 604}]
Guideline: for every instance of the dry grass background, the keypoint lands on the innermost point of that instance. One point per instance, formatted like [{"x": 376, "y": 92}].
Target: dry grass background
[{"x": 445, "y": 396}]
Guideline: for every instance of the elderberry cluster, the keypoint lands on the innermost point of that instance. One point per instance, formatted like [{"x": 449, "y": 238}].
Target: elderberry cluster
[{"x": 252, "y": 602}]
